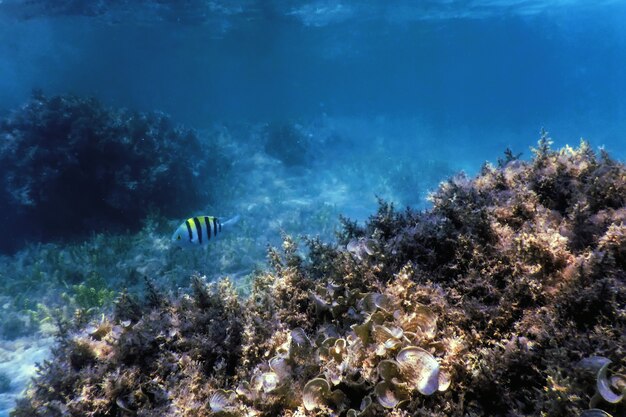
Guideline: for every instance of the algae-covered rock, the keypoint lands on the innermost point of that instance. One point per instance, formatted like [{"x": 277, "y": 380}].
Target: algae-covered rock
[
  {"x": 498, "y": 301},
  {"x": 288, "y": 144},
  {"x": 72, "y": 166}
]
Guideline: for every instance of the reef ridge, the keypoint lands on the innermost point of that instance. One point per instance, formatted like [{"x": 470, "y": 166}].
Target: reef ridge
[{"x": 506, "y": 298}]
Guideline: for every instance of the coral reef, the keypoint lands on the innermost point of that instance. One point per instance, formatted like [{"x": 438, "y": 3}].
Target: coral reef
[
  {"x": 71, "y": 166},
  {"x": 507, "y": 298}
]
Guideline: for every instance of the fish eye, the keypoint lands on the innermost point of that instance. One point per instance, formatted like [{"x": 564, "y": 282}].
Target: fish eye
[{"x": 178, "y": 237}]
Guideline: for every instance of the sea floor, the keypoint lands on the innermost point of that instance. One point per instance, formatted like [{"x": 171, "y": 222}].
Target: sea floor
[{"x": 18, "y": 359}]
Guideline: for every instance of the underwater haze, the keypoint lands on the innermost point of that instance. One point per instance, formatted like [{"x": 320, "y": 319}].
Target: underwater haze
[
  {"x": 124, "y": 121},
  {"x": 461, "y": 70}
]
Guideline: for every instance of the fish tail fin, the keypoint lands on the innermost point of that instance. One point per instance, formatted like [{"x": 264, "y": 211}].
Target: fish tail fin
[{"x": 232, "y": 221}]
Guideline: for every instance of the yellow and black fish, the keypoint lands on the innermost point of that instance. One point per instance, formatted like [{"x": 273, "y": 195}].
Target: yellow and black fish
[{"x": 200, "y": 230}]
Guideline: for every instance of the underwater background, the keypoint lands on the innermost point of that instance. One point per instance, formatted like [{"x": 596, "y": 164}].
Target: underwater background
[{"x": 120, "y": 119}]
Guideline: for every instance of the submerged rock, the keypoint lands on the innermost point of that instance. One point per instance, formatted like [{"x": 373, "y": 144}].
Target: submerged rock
[{"x": 70, "y": 166}]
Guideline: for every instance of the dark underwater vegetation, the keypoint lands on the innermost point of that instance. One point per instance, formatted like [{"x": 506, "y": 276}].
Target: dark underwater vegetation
[
  {"x": 411, "y": 241},
  {"x": 70, "y": 165}
]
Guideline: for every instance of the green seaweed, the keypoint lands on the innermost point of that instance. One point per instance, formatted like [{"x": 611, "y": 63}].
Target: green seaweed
[{"x": 92, "y": 293}]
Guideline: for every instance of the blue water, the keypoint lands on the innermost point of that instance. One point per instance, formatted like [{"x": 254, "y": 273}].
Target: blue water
[
  {"x": 485, "y": 72},
  {"x": 401, "y": 96}
]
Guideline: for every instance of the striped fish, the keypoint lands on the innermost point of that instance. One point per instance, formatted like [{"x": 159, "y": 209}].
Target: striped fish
[{"x": 200, "y": 230}]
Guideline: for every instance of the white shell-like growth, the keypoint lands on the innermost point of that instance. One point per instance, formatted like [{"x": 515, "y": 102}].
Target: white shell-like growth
[
  {"x": 281, "y": 367},
  {"x": 270, "y": 381},
  {"x": 374, "y": 301},
  {"x": 122, "y": 405},
  {"x": 388, "y": 370},
  {"x": 339, "y": 350},
  {"x": 594, "y": 412},
  {"x": 353, "y": 246},
  {"x": 315, "y": 393},
  {"x": 99, "y": 331},
  {"x": 369, "y": 246},
  {"x": 220, "y": 400},
  {"x": 603, "y": 384},
  {"x": 244, "y": 390},
  {"x": 444, "y": 381},
  {"x": 333, "y": 347},
  {"x": 419, "y": 369},
  {"x": 384, "y": 333},
  {"x": 593, "y": 363},
  {"x": 361, "y": 248},
  {"x": 389, "y": 395},
  {"x": 387, "y": 337},
  {"x": 425, "y": 321},
  {"x": 619, "y": 382},
  {"x": 413, "y": 369},
  {"x": 264, "y": 382}
]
